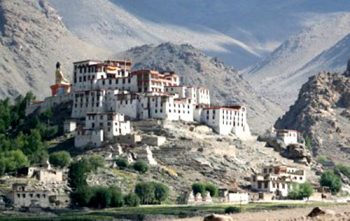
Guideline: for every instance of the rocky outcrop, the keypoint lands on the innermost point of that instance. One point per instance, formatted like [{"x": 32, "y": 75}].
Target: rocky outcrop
[
  {"x": 322, "y": 113},
  {"x": 297, "y": 152}
]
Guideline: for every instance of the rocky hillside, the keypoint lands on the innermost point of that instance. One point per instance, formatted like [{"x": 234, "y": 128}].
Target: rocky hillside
[
  {"x": 196, "y": 68},
  {"x": 322, "y": 111},
  {"x": 32, "y": 39}
]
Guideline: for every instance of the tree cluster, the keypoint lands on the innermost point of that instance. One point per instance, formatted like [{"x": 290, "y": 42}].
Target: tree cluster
[
  {"x": 22, "y": 139},
  {"x": 300, "y": 191},
  {"x": 140, "y": 165},
  {"x": 330, "y": 179},
  {"x": 152, "y": 192},
  {"x": 203, "y": 188}
]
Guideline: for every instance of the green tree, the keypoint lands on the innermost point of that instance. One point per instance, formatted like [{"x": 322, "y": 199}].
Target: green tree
[
  {"x": 78, "y": 173},
  {"x": 145, "y": 191},
  {"x": 212, "y": 189},
  {"x": 331, "y": 180},
  {"x": 14, "y": 160},
  {"x": 60, "y": 159},
  {"x": 2, "y": 167},
  {"x": 300, "y": 191},
  {"x": 122, "y": 163},
  {"x": 198, "y": 188},
  {"x": 140, "y": 166},
  {"x": 35, "y": 148},
  {"x": 101, "y": 197},
  {"x": 161, "y": 192},
  {"x": 82, "y": 196},
  {"x": 132, "y": 200},
  {"x": 117, "y": 199},
  {"x": 96, "y": 161}
]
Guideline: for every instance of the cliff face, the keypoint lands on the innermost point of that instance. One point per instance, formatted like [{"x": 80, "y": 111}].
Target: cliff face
[
  {"x": 32, "y": 40},
  {"x": 322, "y": 111},
  {"x": 196, "y": 68}
]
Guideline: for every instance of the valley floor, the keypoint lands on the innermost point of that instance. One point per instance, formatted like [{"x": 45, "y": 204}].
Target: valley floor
[
  {"x": 341, "y": 213},
  {"x": 251, "y": 212}
]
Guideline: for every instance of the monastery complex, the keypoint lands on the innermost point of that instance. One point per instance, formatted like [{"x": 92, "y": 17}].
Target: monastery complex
[{"x": 106, "y": 95}]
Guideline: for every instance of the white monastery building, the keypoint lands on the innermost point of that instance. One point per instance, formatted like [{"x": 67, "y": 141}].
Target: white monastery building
[{"x": 106, "y": 94}]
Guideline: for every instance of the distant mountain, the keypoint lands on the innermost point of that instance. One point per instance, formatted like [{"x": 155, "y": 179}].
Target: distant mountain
[
  {"x": 196, "y": 68},
  {"x": 239, "y": 32},
  {"x": 333, "y": 59},
  {"x": 322, "y": 112},
  {"x": 318, "y": 47},
  {"x": 32, "y": 39}
]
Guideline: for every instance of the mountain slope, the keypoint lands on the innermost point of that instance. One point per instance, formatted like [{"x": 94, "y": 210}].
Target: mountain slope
[
  {"x": 239, "y": 32},
  {"x": 108, "y": 25},
  {"x": 31, "y": 42},
  {"x": 279, "y": 76},
  {"x": 333, "y": 59},
  {"x": 195, "y": 68},
  {"x": 322, "y": 111}
]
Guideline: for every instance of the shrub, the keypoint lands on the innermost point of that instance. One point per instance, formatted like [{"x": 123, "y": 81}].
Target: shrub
[
  {"x": 161, "y": 192},
  {"x": 322, "y": 159},
  {"x": 96, "y": 161},
  {"x": 132, "y": 200},
  {"x": 331, "y": 180},
  {"x": 101, "y": 197},
  {"x": 212, "y": 189},
  {"x": 233, "y": 209},
  {"x": 145, "y": 191},
  {"x": 198, "y": 188},
  {"x": 301, "y": 191},
  {"x": 60, "y": 159},
  {"x": 116, "y": 197},
  {"x": 140, "y": 166},
  {"x": 342, "y": 169},
  {"x": 122, "y": 163},
  {"x": 82, "y": 196}
]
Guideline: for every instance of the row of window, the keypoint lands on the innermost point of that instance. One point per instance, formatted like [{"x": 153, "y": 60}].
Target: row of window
[{"x": 31, "y": 195}]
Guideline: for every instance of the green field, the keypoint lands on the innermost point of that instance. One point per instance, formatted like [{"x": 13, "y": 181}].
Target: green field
[{"x": 138, "y": 213}]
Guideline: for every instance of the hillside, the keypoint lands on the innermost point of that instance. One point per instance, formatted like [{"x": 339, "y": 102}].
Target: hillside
[
  {"x": 289, "y": 66},
  {"x": 322, "y": 112},
  {"x": 196, "y": 68},
  {"x": 31, "y": 42}
]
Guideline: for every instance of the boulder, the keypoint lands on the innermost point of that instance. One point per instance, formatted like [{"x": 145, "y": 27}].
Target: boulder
[
  {"x": 215, "y": 217},
  {"x": 317, "y": 211},
  {"x": 278, "y": 145},
  {"x": 297, "y": 152}
]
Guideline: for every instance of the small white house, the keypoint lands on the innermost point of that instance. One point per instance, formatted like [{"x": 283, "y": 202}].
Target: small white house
[{"x": 287, "y": 136}]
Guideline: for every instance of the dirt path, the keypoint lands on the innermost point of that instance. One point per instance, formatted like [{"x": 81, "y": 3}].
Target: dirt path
[{"x": 284, "y": 215}]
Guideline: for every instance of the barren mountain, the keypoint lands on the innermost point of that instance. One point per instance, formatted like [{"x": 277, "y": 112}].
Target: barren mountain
[
  {"x": 32, "y": 39},
  {"x": 322, "y": 112},
  {"x": 196, "y": 68},
  {"x": 281, "y": 74}
]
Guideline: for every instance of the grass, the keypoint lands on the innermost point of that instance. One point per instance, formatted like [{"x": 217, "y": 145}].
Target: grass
[{"x": 165, "y": 210}]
